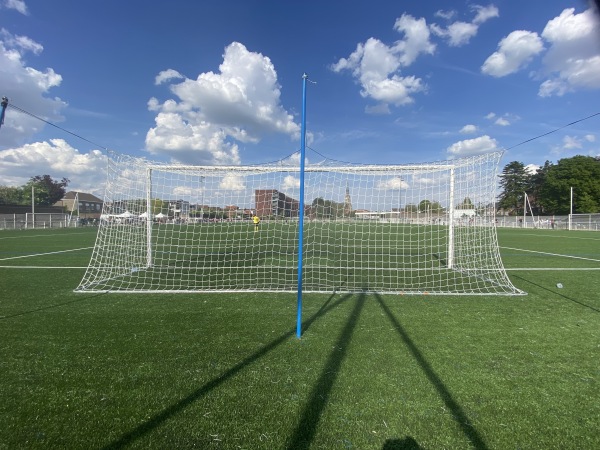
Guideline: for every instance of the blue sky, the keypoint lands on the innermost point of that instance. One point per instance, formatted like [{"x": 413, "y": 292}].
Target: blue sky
[{"x": 220, "y": 82}]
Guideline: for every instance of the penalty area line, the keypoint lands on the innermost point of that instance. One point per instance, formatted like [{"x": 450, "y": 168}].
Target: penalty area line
[
  {"x": 551, "y": 254},
  {"x": 48, "y": 253},
  {"x": 513, "y": 269},
  {"x": 42, "y": 267}
]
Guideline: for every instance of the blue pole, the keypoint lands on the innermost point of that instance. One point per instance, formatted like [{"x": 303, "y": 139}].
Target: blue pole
[{"x": 301, "y": 208}]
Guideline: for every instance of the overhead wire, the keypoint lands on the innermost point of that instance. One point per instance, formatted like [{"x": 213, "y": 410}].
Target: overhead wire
[
  {"x": 56, "y": 126},
  {"x": 282, "y": 159}
]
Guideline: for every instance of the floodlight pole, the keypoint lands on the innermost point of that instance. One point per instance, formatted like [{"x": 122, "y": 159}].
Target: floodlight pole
[{"x": 301, "y": 208}]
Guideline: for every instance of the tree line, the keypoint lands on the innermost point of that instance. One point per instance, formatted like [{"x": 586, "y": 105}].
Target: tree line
[
  {"x": 45, "y": 189},
  {"x": 548, "y": 189}
]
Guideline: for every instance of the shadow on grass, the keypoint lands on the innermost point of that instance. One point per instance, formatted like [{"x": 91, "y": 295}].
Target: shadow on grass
[
  {"x": 57, "y": 305},
  {"x": 556, "y": 293},
  {"x": 408, "y": 443},
  {"x": 157, "y": 420},
  {"x": 457, "y": 412},
  {"x": 311, "y": 415}
]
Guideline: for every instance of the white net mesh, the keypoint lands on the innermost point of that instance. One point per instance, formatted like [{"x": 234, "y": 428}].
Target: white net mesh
[{"x": 422, "y": 228}]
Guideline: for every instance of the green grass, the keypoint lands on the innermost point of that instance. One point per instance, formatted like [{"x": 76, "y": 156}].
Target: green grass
[{"x": 226, "y": 371}]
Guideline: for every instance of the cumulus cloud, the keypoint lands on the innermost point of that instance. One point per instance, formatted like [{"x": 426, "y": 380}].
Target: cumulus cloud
[
  {"x": 376, "y": 66},
  {"x": 167, "y": 75},
  {"x": 468, "y": 129},
  {"x": 502, "y": 121},
  {"x": 590, "y": 138},
  {"x": 17, "y": 5},
  {"x": 232, "y": 183},
  {"x": 481, "y": 144},
  {"x": 515, "y": 51},
  {"x": 572, "y": 53},
  {"x": 290, "y": 182},
  {"x": 460, "y": 33},
  {"x": 57, "y": 159},
  {"x": 215, "y": 111},
  {"x": 28, "y": 88},
  {"x": 531, "y": 169},
  {"x": 573, "y": 59},
  {"x": 393, "y": 184}
]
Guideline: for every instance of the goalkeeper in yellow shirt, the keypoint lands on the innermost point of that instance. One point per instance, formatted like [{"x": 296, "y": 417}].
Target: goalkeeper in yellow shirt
[{"x": 256, "y": 221}]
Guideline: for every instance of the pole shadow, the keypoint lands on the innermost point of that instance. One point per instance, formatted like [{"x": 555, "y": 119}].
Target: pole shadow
[
  {"x": 159, "y": 418},
  {"x": 311, "y": 415},
  {"x": 458, "y": 414},
  {"x": 557, "y": 293}
]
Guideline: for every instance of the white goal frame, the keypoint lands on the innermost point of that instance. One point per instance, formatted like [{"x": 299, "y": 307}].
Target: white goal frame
[{"x": 458, "y": 241}]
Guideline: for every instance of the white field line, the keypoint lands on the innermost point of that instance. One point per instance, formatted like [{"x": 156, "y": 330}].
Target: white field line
[
  {"x": 562, "y": 269},
  {"x": 551, "y": 254},
  {"x": 37, "y": 235},
  {"x": 48, "y": 253},
  {"x": 42, "y": 267},
  {"x": 561, "y": 237}
]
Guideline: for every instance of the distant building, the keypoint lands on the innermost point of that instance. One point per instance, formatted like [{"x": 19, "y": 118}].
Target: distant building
[
  {"x": 178, "y": 208},
  {"x": 271, "y": 202},
  {"x": 347, "y": 203},
  {"x": 87, "y": 205}
]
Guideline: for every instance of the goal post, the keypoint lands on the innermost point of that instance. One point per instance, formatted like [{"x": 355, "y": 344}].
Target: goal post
[{"x": 402, "y": 229}]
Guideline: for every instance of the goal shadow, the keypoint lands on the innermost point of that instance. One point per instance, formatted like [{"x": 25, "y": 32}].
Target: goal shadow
[{"x": 158, "y": 419}]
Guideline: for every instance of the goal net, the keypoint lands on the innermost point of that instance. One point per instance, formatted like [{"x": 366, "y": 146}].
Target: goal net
[{"x": 405, "y": 229}]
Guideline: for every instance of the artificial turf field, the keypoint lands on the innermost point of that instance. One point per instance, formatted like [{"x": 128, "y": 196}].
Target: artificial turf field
[{"x": 91, "y": 370}]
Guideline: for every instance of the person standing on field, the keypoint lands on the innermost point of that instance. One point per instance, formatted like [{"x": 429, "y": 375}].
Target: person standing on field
[{"x": 256, "y": 221}]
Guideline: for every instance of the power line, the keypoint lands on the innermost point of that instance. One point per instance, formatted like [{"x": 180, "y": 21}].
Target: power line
[
  {"x": 56, "y": 126},
  {"x": 553, "y": 131}
]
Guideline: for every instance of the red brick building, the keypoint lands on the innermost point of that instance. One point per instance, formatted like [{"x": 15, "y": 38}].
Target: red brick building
[{"x": 271, "y": 202}]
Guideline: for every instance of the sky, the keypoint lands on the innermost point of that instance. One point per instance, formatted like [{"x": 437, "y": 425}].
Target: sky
[{"x": 220, "y": 82}]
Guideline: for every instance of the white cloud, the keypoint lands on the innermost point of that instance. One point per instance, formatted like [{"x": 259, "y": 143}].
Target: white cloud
[
  {"x": 447, "y": 15},
  {"x": 515, "y": 51},
  {"x": 57, "y": 159},
  {"x": 232, "y": 183},
  {"x": 17, "y": 5},
  {"x": 468, "y": 129},
  {"x": 481, "y": 144},
  {"x": 460, "y": 33},
  {"x": 167, "y": 75},
  {"x": 484, "y": 13},
  {"x": 571, "y": 142},
  {"x": 490, "y": 116},
  {"x": 573, "y": 59},
  {"x": 501, "y": 121},
  {"x": 377, "y": 65},
  {"x": 240, "y": 103},
  {"x": 590, "y": 138},
  {"x": 395, "y": 183},
  {"x": 27, "y": 88},
  {"x": 290, "y": 182},
  {"x": 531, "y": 169}
]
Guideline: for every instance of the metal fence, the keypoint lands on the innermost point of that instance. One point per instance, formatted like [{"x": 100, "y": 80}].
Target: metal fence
[{"x": 41, "y": 221}]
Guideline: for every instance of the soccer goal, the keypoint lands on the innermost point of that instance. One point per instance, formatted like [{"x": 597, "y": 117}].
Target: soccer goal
[{"x": 403, "y": 229}]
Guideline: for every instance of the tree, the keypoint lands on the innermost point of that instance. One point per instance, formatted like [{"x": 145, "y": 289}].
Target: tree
[
  {"x": 46, "y": 190},
  {"x": 10, "y": 195},
  {"x": 514, "y": 182},
  {"x": 534, "y": 190},
  {"x": 582, "y": 173},
  {"x": 327, "y": 209}
]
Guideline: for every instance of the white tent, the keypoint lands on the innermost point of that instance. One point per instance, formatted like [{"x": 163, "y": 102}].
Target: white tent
[
  {"x": 160, "y": 216},
  {"x": 125, "y": 214},
  {"x": 143, "y": 215}
]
